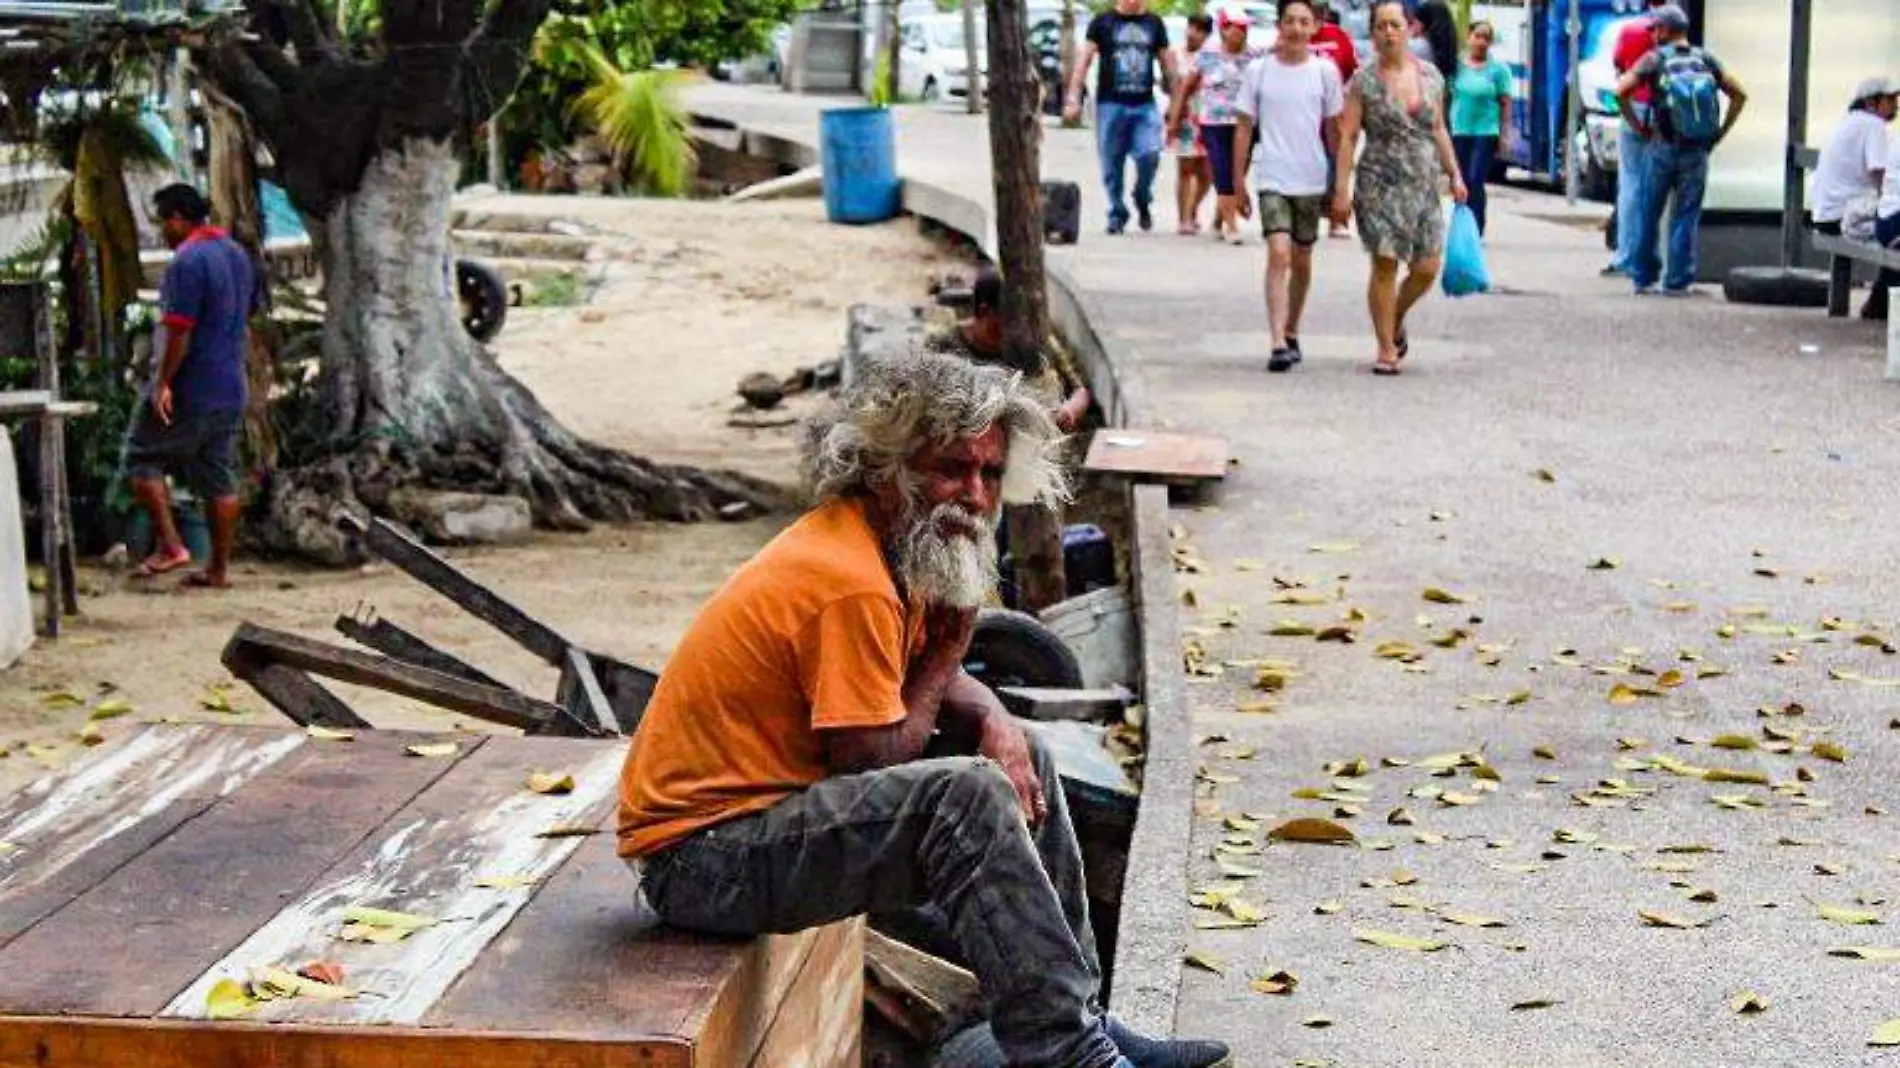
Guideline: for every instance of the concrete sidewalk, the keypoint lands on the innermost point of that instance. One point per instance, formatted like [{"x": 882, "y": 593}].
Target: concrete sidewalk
[{"x": 1739, "y": 498}]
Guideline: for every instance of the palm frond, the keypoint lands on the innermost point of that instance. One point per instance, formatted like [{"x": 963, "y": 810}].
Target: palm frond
[{"x": 640, "y": 120}]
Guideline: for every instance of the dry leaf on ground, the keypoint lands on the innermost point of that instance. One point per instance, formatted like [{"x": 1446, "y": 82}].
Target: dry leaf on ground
[
  {"x": 1390, "y": 940},
  {"x": 1311, "y": 830}
]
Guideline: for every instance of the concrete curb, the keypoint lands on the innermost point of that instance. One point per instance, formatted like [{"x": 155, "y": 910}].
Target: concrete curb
[{"x": 1154, "y": 923}]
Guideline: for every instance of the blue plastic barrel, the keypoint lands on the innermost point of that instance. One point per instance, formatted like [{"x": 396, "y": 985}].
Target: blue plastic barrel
[{"x": 860, "y": 163}]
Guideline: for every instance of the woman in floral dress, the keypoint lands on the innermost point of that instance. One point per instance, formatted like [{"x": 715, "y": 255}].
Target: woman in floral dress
[{"x": 1398, "y": 102}]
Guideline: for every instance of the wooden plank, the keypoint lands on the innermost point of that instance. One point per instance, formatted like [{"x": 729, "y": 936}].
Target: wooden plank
[
  {"x": 56, "y": 1042},
  {"x": 582, "y": 957},
  {"x": 1155, "y": 455},
  {"x": 477, "y": 822},
  {"x": 446, "y": 579},
  {"x": 1052, "y": 703},
  {"x": 160, "y": 920},
  {"x": 730, "y": 1029},
  {"x": 298, "y": 696},
  {"x": 391, "y": 640},
  {"x": 580, "y": 691},
  {"x": 254, "y": 643},
  {"x": 821, "y": 1022},
  {"x": 69, "y": 831}
]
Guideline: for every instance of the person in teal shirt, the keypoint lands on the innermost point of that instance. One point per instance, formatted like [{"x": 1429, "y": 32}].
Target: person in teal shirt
[{"x": 1480, "y": 113}]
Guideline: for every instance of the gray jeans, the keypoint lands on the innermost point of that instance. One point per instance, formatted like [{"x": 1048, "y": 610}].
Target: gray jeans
[{"x": 946, "y": 832}]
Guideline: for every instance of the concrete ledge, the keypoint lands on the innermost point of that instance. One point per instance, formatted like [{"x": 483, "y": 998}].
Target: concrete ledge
[{"x": 1154, "y": 922}]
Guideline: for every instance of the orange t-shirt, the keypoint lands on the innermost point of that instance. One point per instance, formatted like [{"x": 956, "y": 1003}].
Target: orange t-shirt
[{"x": 810, "y": 634}]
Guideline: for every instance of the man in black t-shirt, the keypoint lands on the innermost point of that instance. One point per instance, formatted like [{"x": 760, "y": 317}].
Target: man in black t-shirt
[{"x": 1132, "y": 41}]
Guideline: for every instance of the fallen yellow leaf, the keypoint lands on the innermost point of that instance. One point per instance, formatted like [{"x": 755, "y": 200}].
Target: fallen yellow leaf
[
  {"x": 227, "y": 1000},
  {"x": 1389, "y": 940},
  {"x": 548, "y": 782},
  {"x": 432, "y": 749}
]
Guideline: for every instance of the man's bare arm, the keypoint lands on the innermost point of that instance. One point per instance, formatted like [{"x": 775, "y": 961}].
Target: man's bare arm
[{"x": 854, "y": 749}]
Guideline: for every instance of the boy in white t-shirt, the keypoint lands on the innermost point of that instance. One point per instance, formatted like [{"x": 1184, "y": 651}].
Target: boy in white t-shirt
[{"x": 1293, "y": 98}]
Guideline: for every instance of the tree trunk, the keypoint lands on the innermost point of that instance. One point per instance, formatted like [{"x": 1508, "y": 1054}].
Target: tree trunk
[
  {"x": 973, "y": 68},
  {"x": 416, "y": 401},
  {"x": 1035, "y": 533},
  {"x": 893, "y": 53}
]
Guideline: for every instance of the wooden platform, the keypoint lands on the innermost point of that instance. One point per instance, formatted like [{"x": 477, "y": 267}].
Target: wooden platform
[
  {"x": 136, "y": 880},
  {"x": 1150, "y": 455}
]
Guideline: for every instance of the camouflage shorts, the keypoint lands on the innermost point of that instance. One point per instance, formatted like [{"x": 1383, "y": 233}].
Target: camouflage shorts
[{"x": 1298, "y": 216}]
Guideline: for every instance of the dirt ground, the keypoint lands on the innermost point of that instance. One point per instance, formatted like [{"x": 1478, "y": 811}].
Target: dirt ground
[{"x": 697, "y": 295}]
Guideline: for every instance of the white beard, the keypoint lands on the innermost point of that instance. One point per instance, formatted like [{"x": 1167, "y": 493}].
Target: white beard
[{"x": 955, "y": 570}]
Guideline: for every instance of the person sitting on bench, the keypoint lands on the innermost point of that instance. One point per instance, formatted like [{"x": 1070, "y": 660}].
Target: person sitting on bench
[
  {"x": 815, "y": 751},
  {"x": 1853, "y": 164}
]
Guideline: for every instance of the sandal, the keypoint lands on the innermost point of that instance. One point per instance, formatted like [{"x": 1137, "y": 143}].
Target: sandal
[
  {"x": 161, "y": 564},
  {"x": 1386, "y": 370},
  {"x": 1404, "y": 346},
  {"x": 198, "y": 580}
]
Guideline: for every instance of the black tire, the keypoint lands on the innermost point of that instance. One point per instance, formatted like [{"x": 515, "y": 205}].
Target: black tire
[
  {"x": 1015, "y": 649},
  {"x": 484, "y": 299},
  {"x": 1776, "y": 287}
]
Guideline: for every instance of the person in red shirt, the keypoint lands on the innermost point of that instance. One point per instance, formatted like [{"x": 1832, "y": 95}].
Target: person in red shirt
[
  {"x": 1332, "y": 42},
  {"x": 1633, "y": 42}
]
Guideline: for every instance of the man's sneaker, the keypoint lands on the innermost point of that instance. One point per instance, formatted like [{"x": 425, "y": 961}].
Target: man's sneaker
[
  {"x": 1117, "y": 226},
  {"x": 1145, "y": 217},
  {"x": 1282, "y": 360},
  {"x": 1293, "y": 346},
  {"x": 1680, "y": 294},
  {"x": 1140, "y": 1051},
  {"x": 1613, "y": 271},
  {"x": 1647, "y": 291}
]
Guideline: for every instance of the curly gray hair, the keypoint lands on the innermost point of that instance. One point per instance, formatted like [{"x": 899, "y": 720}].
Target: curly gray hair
[{"x": 896, "y": 406}]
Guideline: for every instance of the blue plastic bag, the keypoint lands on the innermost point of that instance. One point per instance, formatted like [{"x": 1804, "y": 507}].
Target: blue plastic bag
[{"x": 1465, "y": 272}]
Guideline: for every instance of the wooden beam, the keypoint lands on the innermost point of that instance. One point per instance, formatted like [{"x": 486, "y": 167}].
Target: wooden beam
[
  {"x": 446, "y": 579},
  {"x": 391, "y": 640},
  {"x": 1048, "y": 703},
  {"x": 495, "y": 704},
  {"x": 580, "y": 691},
  {"x": 927, "y": 997},
  {"x": 295, "y": 694}
]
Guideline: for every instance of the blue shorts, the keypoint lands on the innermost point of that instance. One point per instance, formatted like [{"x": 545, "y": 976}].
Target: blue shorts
[{"x": 1219, "y": 142}]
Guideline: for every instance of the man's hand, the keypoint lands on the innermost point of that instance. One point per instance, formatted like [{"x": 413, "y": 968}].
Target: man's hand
[
  {"x": 162, "y": 403},
  {"x": 1243, "y": 206},
  {"x": 1342, "y": 208},
  {"x": 1003, "y": 741},
  {"x": 1072, "y": 108}
]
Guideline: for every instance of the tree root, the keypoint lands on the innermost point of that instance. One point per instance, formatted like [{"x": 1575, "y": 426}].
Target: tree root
[{"x": 568, "y": 482}]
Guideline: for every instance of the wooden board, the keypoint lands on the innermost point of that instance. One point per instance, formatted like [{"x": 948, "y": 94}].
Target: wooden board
[
  {"x": 479, "y": 821},
  {"x": 1155, "y": 456},
  {"x": 150, "y": 927},
  {"x": 65, "y": 833},
  {"x": 199, "y": 853}
]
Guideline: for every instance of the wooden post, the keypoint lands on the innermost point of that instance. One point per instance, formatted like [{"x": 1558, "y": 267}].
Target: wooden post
[
  {"x": 973, "y": 69},
  {"x": 1035, "y": 533}
]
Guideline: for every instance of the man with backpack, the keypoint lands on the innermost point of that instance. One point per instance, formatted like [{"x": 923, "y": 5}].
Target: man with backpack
[{"x": 1686, "y": 121}]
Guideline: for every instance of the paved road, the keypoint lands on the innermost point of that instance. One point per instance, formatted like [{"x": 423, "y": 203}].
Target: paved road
[{"x": 1733, "y": 481}]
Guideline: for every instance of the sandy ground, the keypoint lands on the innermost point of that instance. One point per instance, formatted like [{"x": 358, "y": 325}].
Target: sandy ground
[{"x": 698, "y": 295}]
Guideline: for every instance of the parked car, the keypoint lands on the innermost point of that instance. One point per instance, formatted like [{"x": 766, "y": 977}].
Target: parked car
[{"x": 935, "y": 64}]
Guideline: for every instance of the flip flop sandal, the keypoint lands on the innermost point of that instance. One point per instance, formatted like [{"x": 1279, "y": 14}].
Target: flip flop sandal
[
  {"x": 155, "y": 565},
  {"x": 1404, "y": 345},
  {"x": 1386, "y": 370}
]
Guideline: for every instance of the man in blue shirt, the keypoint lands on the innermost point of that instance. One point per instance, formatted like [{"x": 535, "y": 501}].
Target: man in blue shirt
[{"x": 187, "y": 425}]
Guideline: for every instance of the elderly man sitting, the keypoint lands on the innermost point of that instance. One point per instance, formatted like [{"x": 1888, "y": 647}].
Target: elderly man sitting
[{"x": 790, "y": 770}]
